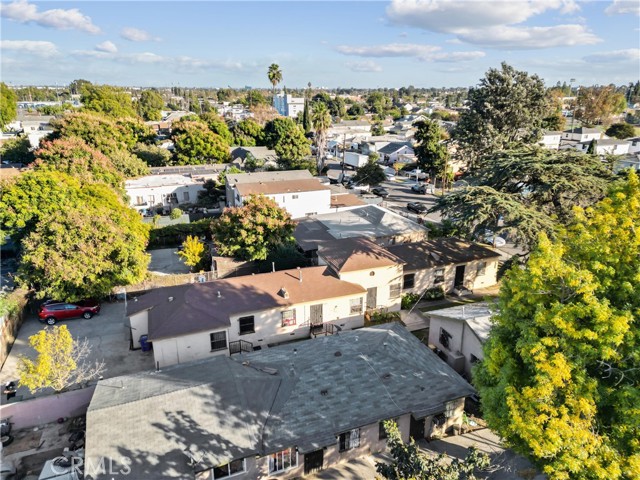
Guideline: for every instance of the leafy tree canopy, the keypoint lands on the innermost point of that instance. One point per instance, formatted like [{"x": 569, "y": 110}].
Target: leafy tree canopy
[
  {"x": 106, "y": 134},
  {"x": 560, "y": 381},
  {"x": 370, "y": 173},
  {"x": 596, "y": 105},
  {"x": 218, "y": 126},
  {"x": 152, "y": 155},
  {"x": 192, "y": 252},
  {"x": 247, "y": 133},
  {"x": 99, "y": 243},
  {"x": 150, "y": 105},
  {"x": 128, "y": 164},
  {"x": 277, "y": 129},
  {"x": 75, "y": 158},
  {"x": 507, "y": 107},
  {"x": 8, "y": 105},
  {"x": 195, "y": 144},
  {"x": 432, "y": 154},
  {"x": 17, "y": 150},
  {"x": 377, "y": 129},
  {"x": 252, "y": 231},
  {"x": 524, "y": 192},
  {"x": 293, "y": 146},
  {"x": 621, "y": 130},
  {"x": 108, "y": 100}
]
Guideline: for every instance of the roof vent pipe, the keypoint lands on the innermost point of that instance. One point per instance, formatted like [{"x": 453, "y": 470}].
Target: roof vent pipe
[
  {"x": 219, "y": 294},
  {"x": 273, "y": 266},
  {"x": 171, "y": 299},
  {"x": 300, "y": 274}
]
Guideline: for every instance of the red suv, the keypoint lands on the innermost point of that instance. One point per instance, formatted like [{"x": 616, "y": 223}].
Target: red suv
[{"x": 52, "y": 311}]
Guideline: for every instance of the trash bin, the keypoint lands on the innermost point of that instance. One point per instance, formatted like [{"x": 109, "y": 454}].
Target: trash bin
[{"x": 145, "y": 345}]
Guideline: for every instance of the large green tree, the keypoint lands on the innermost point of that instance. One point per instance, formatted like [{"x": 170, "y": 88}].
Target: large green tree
[
  {"x": 321, "y": 120},
  {"x": 150, "y": 105},
  {"x": 74, "y": 157},
  {"x": 152, "y": 155},
  {"x": 294, "y": 146},
  {"x": 247, "y": 133},
  {"x": 108, "y": 100},
  {"x": 597, "y": 105},
  {"x": 370, "y": 173},
  {"x": 560, "y": 381},
  {"x": 8, "y": 105},
  {"x": 276, "y": 129},
  {"x": 195, "y": 144},
  {"x": 431, "y": 152},
  {"x": 218, "y": 126},
  {"x": 621, "y": 130},
  {"x": 17, "y": 150},
  {"x": 507, "y": 107},
  {"x": 525, "y": 191},
  {"x": 97, "y": 244},
  {"x": 252, "y": 231}
]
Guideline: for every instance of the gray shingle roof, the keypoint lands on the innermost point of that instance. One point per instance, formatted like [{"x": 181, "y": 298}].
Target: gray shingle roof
[
  {"x": 394, "y": 147},
  {"x": 438, "y": 252},
  {"x": 302, "y": 394}
]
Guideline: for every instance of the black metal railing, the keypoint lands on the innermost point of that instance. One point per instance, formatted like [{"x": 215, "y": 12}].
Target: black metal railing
[
  {"x": 324, "y": 330},
  {"x": 240, "y": 346}
]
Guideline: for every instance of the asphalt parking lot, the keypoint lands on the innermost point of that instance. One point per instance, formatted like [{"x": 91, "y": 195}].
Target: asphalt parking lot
[{"x": 107, "y": 333}]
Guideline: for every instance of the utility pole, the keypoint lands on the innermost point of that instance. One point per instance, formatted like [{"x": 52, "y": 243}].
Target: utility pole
[
  {"x": 344, "y": 151},
  {"x": 573, "y": 112}
]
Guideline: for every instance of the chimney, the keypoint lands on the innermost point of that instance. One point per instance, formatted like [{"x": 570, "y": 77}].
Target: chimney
[{"x": 300, "y": 274}]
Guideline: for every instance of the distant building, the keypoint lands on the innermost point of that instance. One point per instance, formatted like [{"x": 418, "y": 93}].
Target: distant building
[
  {"x": 606, "y": 146},
  {"x": 582, "y": 134},
  {"x": 551, "y": 140},
  {"x": 288, "y": 105}
]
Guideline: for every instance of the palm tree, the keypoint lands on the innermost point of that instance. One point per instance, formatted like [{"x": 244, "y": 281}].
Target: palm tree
[
  {"x": 275, "y": 76},
  {"x": 321, "y": 120}
]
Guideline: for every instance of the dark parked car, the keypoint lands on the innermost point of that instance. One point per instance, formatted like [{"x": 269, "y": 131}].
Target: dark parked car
[
  {"x": 379, "y": 191},
  {"x": 53, "y": 311},
  {"x": 417, "y": 207}
]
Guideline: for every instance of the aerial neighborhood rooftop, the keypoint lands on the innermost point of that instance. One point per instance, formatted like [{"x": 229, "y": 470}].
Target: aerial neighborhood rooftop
[{"x": 215, "y": 269}]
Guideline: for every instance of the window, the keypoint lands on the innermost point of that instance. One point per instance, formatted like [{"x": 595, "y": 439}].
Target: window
[
  {"x": 283, "y": 460},
  {"x": 152, "y": 199},
  {"x": 288, "y": 318},
  {"x": 439, "y": 276},
  {"x": 218, "y": 341},
  {"x": 409, "y": 280},
  {"x": 382, "y": 433},
  {"x": 349, "y": 440},
  {"x": 482, "y": 268},
  {"x": 439, "y": 420},
  {"x": 473, "y": 359},
  {"x": 450, "y": 409},
  {"x": 395, "y": 290},
  {"x": 223, "y": 471},
  {"x": 294, "y": 197},
  {"x": 355, "y": 305},
  {"x": 185, "y": 196},
  {"x": 139, "y": 200},
  {"x": 246, "y": 325},
  {"x": 444, "y": 338}
]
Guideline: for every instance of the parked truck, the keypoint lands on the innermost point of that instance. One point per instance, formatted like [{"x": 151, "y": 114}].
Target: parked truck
[{"x": 355, "y": 160}]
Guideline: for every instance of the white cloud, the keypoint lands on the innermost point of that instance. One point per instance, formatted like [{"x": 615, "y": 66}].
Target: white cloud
[
  {"x": 514, "y": 38},
  {"x": 495, "y": 24},
  {"x": 429, "y": 53},
  {"x": 620, "y": 7},
  {"x": 389, "y": 50},
  {"x": 136, "y": 35},
  {"x": 107, "y": 46},
  {"x": 451, "y": 16},
  {"x": 32, "y": 47},
  {"x": 630, "y": 55},
  {"x": 364, "y": 66},
  {"x": 72, "y": 19}
]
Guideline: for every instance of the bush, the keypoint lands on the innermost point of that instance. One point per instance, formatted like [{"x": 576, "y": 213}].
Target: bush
[
  {"x": 174, "y": 235},
  {"x": 377, "y": 318},
  {"x": 409, "y": 300},
  {"x": 435, "y": 293},
  {"x": 176, "y": 213}
]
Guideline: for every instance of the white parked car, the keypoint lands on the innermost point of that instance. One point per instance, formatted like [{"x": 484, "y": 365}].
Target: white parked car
[
  {"x": 499, "y": 241},
  {"x": 420, "y": 174}
]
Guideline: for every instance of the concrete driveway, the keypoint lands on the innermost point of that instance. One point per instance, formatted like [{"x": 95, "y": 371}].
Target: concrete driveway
[{"x": 107, "y": 334}]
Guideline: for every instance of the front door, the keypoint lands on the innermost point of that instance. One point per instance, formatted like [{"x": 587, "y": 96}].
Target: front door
[
  {"x": 313, "y": 461},
  {"x": 416, "y": 429},
  {"x": 315, "y": 318},
  {"x": 459, "y": 276},
  {"x": 372, "y": 297}
]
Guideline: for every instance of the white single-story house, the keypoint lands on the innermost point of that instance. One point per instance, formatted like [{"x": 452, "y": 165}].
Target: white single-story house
[
  {"x": 297, "y": 191},
  {"x": 285, "y": 412},
  {"x": 582, "y": 134},
  {"x": 551, "y": 140},
  {"x": 163, "y": 191},
  {"x": 606, "y": 146},
  {"x": 458, "y": 334},
  {"x": 448, "y": 263},
  {"x": 391, "y": 152}
]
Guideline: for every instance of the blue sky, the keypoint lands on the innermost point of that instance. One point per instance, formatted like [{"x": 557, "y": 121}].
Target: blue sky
[{"x": 425, "y": 43}]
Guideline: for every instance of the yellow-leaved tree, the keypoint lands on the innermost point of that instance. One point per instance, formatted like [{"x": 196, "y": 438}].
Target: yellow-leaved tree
[
  {"x": 560, "y": 381},
  {"x": 61, "y": 361},
  {"x": 192, "y": 252}
]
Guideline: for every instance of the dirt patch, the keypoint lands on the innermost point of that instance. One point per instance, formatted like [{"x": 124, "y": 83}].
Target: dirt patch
[{"x": 23, "y": 440}]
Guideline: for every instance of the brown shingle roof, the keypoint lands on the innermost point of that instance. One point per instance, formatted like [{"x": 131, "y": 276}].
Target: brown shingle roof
[
  {"x": 345, "y": 200},
  {"x": 438, "y": 252},
  {"x": 207, "y": 306},
  {"x": 354, "y": 254},
  {"x": 286, "y": 186}
]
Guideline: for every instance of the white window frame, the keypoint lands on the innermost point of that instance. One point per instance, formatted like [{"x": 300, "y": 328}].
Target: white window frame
[
  {"x": 395, "y": 290},
  {"x": 274, "y": 457},
  {"x": 438, "y": 276},
  {"x": 482, "y": 268},
  {"x": 229, "y": 475},
  {"x": 352, "y": 304},
  {"x": 351, "y": 440},
  {"x": 288, "y": 318}
]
